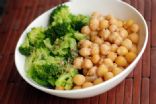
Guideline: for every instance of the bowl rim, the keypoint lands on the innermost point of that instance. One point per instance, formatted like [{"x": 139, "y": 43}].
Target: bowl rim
[{"x": 47, "y": 90}]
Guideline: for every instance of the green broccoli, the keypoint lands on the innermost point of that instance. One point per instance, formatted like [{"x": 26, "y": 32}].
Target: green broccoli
[
  {"x": 26, "y": 48},
  {"x": 78, "y": 21},
  {"x": 33, "y": 39},
  {"x": 79, "y": 36},
  {"x": 60, "y": 15},
  {"x": 64, "y": 45},
  {"x": 56, "y": 31},
  {"x": 43, "y": 68},
  {"x": 50, "y": 51},
  {"x": 47, "y": 43},
  {"x": 60, "y": 23},
  {"x": 36, "y": 36},
  {"x": 66, "y": 80},
  {"x": 63, "y": 22}
]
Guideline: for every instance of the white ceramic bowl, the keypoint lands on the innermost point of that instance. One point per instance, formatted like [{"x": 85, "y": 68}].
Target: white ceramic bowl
[{"x": 115, "y": 7}]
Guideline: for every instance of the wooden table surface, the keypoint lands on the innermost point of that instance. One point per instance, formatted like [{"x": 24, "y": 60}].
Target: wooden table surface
[{"x": 138, "y": 88}]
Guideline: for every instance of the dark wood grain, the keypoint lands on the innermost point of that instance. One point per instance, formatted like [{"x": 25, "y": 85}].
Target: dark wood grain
[
  {"x": 153, "y": 77},
  {"x": 103, "y": 98},
  {"x": 120, "y": 93},
  {"x": 137, "y": 83},
  {"x": 147, "y": 10},
  {"x": 137, "y": 88},
  {"x": 128, "y": 91},
  {"x": 111, "y": 96},
  {"x": 153, "y": 23},
  {"x": 146, "y": 59},
  {"x": 145, "y": 91}
]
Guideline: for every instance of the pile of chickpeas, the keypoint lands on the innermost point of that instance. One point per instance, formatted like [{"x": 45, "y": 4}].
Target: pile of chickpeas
[{"x": 111, "y": 46}]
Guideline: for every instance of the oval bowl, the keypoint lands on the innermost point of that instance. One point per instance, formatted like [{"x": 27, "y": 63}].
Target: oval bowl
[{"x": 115, "y": 7}]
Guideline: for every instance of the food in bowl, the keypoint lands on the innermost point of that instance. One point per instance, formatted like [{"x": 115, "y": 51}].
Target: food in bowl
[{"x": 77, "y": 51}]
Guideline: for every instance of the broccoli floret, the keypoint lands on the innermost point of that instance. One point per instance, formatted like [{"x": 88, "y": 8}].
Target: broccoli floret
[
  {"x": 80, "y": 36},
  {"x": 26, "y": 48},
  {"x": 60, "y": 47},
  {"x": 60, "y": 15},
  {"x": 47, "y": 43},
  {"x": 63, "y": 22},
  {"x": 66, "y": 80},
  {"x": 33, "y": 39},
  {"x": 78, "y": 21},
  {"x": 36, "y": 36},
  {"x": 43, "y": 68},
  {"x": 72, "y": 71},
  {"x": 60, "y": 23},
  {"x": 58, "y": 30},
  {"x": 47, "y": 71},
  {"x": 50, "y": 51}
]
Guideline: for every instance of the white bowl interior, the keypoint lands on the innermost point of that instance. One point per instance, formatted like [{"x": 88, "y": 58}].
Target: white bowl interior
[{"x": 118, "y": 9}]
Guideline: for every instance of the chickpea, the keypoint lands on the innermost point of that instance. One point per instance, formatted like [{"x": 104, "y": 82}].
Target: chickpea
[
  {"x": 114, "y": 47},
  {"x": 134, "y": 37},
  {"x": 85, "y": 52},
  {"x": 92, "y": 71},
  {"x": 85, "y": 44},
  {"x": 79, "y": 79},
  {"x": 108, "y": 75},
  {"x": 129, "y": 23},
  {"x": 119, "y": 23},
  {"x": 108, "y": 62},
  {"x": 104, "y": 24},
  {"x": 94, "y": 24},
  {"x": 95, "y": 49},
  {"x": 93, "y": 37},
  {"x": 134, "y": 49},
  {"x": 98, "y": 40},
  {"x": 112, "y": 67},
  {"x": 121, "y": 61},
  {"x": 87, "y": 63},
  {"x": 130, "y": 56},
  {"x": 104, "y": 34},
  {"x": 85, "y": 30},
  {"x": 108, "y": 17},
  {"x": 116, "y": 70},
  {"x": 102, "y": 69},
  {"x": 59, "y": 88},
  {"x": 101, "y": 18},
  {"x": 112, "y": 56},
  {"x": 91, "y": 78},
  {"x": 101, "y": 60},
  {"x": 95, "y": 58},
  {"x": 87, "y": 84},
  {"x": 113, "y": 28},
  {"x": 113, "y": 21},
  {"x": 113, "y": 36},
  {"x": 135, "y": 28},
  {"x": 122, "y": 50},
  {"x": 98, "y": 81},
  {"x": 76, "y": 87},
  {"x": 78, "y": 62},
  {"x": 94, "y": 33},
  {"x": 123, "y": 33},
  {"x": 127, "y": 43},
  {"x": 107, "y": 43},
  {"x": 104, "y": 49},
  {"x": 118, "y": 40}
]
